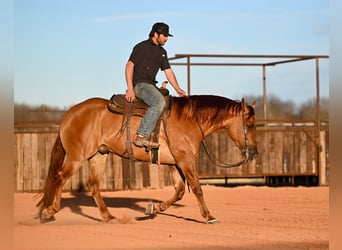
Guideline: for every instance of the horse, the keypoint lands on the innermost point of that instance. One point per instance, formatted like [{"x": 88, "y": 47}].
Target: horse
[{"x": 89, "y": 128}]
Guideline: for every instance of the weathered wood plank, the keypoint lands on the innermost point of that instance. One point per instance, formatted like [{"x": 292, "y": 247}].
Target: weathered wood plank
[
  {"x": 302, "y": 152},
  {"x": 19, "y": 162},
  {"x": 323, "y": 164},
  {"x": 154, "y": 176},
  {"x": 138, "y": 167},
  {"x": 118, "y": 172},
  {"x": 35, "y": 156},
  {"x": 108, "y": 178},
  {"x": 27, "y": 162}
]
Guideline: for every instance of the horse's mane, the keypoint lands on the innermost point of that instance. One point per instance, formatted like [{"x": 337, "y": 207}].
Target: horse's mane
[{"x": 206, "y": 108}]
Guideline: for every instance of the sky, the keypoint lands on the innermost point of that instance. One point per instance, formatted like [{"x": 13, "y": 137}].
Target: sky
[{"x": 67, "y": 51}]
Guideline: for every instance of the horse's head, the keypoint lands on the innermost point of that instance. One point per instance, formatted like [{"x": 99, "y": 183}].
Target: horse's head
[{"x": 243, "y": 130}]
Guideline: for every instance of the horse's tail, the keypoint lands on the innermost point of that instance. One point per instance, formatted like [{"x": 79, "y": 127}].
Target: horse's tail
[{"x": 52, "y": 180}]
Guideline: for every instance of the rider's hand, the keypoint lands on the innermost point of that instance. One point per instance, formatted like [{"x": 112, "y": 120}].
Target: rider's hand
[
  {"x": 130, "y": 95},
  {"x": 180, "y": 92}
]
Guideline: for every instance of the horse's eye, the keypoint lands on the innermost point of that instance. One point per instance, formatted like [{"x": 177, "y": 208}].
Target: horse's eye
[{"x": 250, "y": 126}]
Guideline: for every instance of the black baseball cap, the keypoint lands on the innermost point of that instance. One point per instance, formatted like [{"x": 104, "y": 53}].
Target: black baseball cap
[{"x": 161, "y": 28}]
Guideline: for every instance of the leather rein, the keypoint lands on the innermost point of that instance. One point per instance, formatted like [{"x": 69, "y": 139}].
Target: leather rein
[{"x": 245, "y": 150}]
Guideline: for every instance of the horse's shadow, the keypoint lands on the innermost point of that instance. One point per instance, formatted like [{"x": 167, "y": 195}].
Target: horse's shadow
[{"x": 79, "y": 199}]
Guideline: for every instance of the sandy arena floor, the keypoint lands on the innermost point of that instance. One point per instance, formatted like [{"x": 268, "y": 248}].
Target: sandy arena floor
[{"x": 249, "y": 218}]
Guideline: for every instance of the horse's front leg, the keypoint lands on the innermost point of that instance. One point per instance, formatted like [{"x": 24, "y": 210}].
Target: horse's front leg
[
  {"x": 188, "y": 166},
  {"x": 178, "y": 181},
  {"x": 196, "y": 188}
]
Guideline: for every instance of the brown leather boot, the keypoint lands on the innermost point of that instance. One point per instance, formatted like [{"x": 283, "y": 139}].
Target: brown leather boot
[{"x": 142, "y": 141}]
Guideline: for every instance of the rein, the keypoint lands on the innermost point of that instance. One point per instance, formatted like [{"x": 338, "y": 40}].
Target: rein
[{"x": 221, "y": 164}]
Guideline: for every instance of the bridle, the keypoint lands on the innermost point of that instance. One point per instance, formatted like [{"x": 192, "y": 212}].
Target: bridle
[{"x": 245, "y": 150}]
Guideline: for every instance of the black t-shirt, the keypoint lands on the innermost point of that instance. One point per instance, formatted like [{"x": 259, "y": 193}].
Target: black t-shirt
[{"x": 148, "y": 58}]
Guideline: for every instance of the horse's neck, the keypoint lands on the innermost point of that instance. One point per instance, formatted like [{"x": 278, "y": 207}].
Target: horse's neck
[{"x": 208, "y": 128}]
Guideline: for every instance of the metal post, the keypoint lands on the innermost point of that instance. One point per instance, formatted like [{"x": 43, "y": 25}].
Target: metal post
[
  {"x": 188, "y": 71},
  {"x": 264, "y": 91},
  {"x": 318, "y": 118}
]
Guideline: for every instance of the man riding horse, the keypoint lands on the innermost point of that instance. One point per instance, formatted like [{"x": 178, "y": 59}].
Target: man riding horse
[{"x": 142, "y": 67}]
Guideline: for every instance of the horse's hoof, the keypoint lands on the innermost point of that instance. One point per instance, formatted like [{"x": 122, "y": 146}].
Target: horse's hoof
[
  {"x": 108, "y": 217},
  {"x": 44, "y": 220},
  {"x": 45, "y": 217},
  {"x": 149, "y": 209},
  {"x": 112, "y": 221},
  {"x": 213, "y": 221}
]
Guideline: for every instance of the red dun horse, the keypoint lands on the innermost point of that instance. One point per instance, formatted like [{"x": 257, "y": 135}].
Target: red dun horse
[{"x": 89, "y": 127}]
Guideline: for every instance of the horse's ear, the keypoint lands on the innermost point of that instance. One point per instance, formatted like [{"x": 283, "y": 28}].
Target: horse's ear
[
  {"x": 253, "y": 105},
  {"x": 244, "y": 105}
]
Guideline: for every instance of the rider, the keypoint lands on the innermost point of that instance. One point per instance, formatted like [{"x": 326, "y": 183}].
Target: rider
[{"x": 142, "y": 67}]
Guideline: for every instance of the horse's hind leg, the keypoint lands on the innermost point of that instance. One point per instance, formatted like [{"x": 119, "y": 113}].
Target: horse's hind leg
[
  {"x": 96, "y": 169},
  {"x": 55, "y": 188},
  {"x": 179, "y": 185}
]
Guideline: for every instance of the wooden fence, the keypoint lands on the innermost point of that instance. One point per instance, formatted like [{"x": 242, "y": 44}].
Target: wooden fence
[
  {"x": 286, "y": 152},
  {"x": 281, "y": 153},
  {"x": 32, "y": 157}
]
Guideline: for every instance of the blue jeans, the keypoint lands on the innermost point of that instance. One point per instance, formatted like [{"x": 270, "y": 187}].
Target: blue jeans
[{"x": 150, "y": 95}]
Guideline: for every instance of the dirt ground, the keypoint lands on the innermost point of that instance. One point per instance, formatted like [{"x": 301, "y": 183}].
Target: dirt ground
[{"x": 249, "y": 218}]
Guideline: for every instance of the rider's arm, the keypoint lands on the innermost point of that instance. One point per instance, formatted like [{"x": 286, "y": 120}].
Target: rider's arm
[
  {"x": 171, "y": 77},
  {"x": 130, "y": 96}
]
